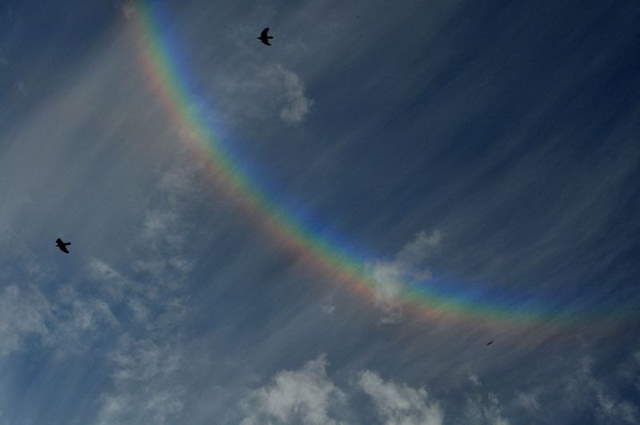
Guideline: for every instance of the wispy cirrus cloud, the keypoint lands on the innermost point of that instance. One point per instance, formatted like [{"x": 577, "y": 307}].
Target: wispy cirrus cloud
[
  {"x": 152, "y": 288},
  {"x": 485, "y": 409},
  {"x": 24, "y": 312},
  {"x": 610, "y": 405},
  {"x": 143, "y": 363}
]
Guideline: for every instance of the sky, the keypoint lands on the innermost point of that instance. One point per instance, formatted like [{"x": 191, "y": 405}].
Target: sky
[{"x": 326, "y": 231}]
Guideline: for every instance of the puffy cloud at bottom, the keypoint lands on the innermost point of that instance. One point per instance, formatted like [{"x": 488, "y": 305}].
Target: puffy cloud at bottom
[
  {"x": 305, "y": 396},
  {"x": 309, "y": 396},
  {"x": 400, "y": 403}
]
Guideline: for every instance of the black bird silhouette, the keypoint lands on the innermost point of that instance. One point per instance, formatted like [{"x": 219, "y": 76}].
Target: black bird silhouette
[
  {"x": 265, "y": 37},
  {"x": 62, "y": 245},
  {"x": 490, "y": 342}
]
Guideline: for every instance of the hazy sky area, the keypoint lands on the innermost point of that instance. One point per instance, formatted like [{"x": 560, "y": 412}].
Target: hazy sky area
[{"x": 455, "y": 172}]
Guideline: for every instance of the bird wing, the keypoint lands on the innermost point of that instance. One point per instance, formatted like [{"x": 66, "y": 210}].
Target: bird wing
[
  {"x": 63, "y": 249},
  {"x": 264, "y": 32},
  {"x": 59, "y": 241},
  {"x": 266, "y": 41}
]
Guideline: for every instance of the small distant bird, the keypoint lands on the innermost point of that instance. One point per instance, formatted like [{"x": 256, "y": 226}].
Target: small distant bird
[
  {"x": 62, "y": 245},
  {"x": 490, "y": 342},
  {"x": 265, "y": 37}
]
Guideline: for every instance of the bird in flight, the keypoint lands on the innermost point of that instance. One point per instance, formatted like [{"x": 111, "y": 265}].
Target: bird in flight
[
  {"x": 265, "y": 37},
  {"x": 490, "y": 342},
  {"x": 62, "y": 245}
]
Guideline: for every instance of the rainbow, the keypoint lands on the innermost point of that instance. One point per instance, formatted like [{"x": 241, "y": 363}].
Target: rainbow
[{"x": 169, "y": 82}]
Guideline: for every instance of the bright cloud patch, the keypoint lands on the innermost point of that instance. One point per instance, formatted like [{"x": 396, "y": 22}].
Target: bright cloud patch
[
  {"x": 304, "y": 397},
  {"x": 308, "y": 396},
  {"x": 399, "y": 403},
  {"x": 262, "y": 92},
  {"x": 297, "y": 105},
  {"x": 407, "y": 266}
]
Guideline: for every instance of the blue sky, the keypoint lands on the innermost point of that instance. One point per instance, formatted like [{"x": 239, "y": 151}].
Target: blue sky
[{"x": 486, "y": 149}]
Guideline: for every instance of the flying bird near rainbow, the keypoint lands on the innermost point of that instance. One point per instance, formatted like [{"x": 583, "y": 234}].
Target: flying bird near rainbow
[{"x": 265, "y": 37}]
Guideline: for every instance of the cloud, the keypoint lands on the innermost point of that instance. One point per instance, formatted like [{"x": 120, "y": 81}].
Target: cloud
[
  {"x": 85, "y": 313},
  {"x": 305, "y": 396},
  {"x": 296, "y": 105},
  {"x": 328, "y": 308},
  {"x": 418, "y": 250},
  {"x": 260, "y": 91},
  {"x": 23, "y": 312},
  {"x": 485, "y": 409},
  {"x": 65, "y": 321},
  {"x": 156, "y": 224},
  {"x": 128, "y": 9},
  {"x": 41, "y": 310},
  {"x": 151, "y": 287},
  {"x": 528, "y": 401},
  {"x": 400, "y": 404},
  {"x": 408, "y": 266},
  {"x": 115, "y": 285},
  {"x": 308, "y": 396},
  {"x": 149, "y": 354},
  {"x": 609, "y": 406},
  {"x": 474, "y": 379},
  {"x": 146, "y": 380}
]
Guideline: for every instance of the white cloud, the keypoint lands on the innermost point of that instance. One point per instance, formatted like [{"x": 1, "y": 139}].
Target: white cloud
[
  {"x": 149, "y": 356},
  {"x": 261, "y": 92},
  {"x": 297, "y": 105},
  {"x": 306, "y": 397},
  {"x": 113, "y": 283},
  {"x": 161, "y": 244},
  {"x": 139, "y": 309},
  {"x": 65, "y": 321},
  {"x": 23, "y": 312},
  {"x": 146, "y": 379},
  {"x": 120, "y": 288},
  {"x": 156, "y": 224},
  {"x": 390, "y": 277},
  {"x": 151, "y": 286},
  {"x": 475, "y": 379},
  {"x": 101, "y": 270},
  {"x": 86, "y": 313},
  {"x": 485, "y": 410},
  {"x": 328, "y": 308},
  {"x": 609, "y": 405},
  {"x": 419, "y": 249},
  {"x": 143, "y": 360},
  {"x": 400, "y": 404},
  {"x": 528, "y": 401},
  {"x": 128, "y": 9}
]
